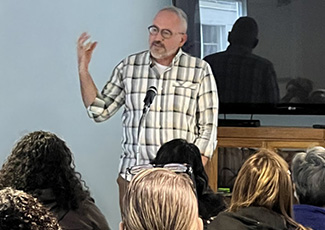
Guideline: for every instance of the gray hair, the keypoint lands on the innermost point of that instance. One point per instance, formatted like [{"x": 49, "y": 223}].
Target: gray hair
[
  {"x": 179, "y": 12},
  {"x": 308, "y": 174}
]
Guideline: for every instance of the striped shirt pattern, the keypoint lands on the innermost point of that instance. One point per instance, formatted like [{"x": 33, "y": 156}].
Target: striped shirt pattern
[{"x": 186, "y": 105}]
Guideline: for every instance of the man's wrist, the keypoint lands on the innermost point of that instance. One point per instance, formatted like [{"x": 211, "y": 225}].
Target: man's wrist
[{"x": 202, "y": 154}]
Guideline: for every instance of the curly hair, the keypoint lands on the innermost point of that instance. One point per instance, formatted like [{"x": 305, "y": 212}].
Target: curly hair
[
  {"x": 19, "y": 210},
  {"x": 41, "y": 160},
  {"x": 308, "y": 174}
]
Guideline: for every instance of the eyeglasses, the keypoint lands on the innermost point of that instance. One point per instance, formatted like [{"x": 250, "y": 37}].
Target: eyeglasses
[
  {"x": 165, "y": 33},
  {"x": 175, "y": 167}
]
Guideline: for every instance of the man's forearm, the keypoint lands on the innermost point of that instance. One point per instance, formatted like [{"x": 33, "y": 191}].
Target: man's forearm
[
  {"x": 204, "y": 160},
  {"x": 87, "y": 87}
]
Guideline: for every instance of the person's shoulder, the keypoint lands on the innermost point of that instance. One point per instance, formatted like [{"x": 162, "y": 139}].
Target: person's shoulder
[
  {"x": 261, "y": 60},
  {"x": 86, "y": 216},
  {"x": 250, "y": 218},
  {"x": 139, "y": 54},
  {"x": 214, "y": 56},
  {"x": 189, "y": 59},
  {"x": 137, "y": 58},
  {"x": 230, "y": 220}
]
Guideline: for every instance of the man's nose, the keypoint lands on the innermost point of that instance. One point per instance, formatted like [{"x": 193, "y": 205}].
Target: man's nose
[{"x": 159, "y": 37}]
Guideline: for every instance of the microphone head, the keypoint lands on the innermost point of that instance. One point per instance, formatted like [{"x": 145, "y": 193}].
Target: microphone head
[{"x": 150, "y": 95}]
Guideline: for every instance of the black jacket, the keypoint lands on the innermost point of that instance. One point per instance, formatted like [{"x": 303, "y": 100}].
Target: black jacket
[
  {"x": 251, "y": 218},
  {"x": 86, "y": 217}
]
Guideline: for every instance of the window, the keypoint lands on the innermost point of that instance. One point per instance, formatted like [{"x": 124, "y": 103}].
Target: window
[{"x": 217, "y": 18}]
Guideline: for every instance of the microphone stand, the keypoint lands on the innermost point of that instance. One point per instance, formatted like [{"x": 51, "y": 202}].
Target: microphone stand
[
  {"x": 140, "y": 130},
  {"x": 150, "y": 95}
]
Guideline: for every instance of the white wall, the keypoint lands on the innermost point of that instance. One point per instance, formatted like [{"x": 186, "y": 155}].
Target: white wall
[{"x": 39, "y": 80}]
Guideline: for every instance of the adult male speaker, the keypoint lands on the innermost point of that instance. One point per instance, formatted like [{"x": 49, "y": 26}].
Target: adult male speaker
[{"x": 186, "y": 104}]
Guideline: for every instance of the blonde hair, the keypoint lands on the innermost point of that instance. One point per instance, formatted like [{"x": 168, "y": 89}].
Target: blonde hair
[
  {"x": 264, "y": 181},
  {"x": 160, "y": 199}
]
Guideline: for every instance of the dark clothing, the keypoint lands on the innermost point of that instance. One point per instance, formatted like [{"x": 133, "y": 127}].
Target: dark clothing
[
  {"x": 210, "y": 205},
  {"x": 122, "y": 187},
  {"x": 243, "y": 77},
  {"x": 250, "y": 218},
  {"x": 86, "y": 217},
  {"x": 310, "y": 216}
]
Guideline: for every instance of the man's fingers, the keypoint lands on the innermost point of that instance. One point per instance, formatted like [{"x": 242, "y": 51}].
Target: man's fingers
[
  {"x": 89, "y": 46},
  {"x": 84, "y": 46},
  {"x": 82, "y": 40},
  {"x": 83, "y": 37},
  {"x": 92, "y": 46}
]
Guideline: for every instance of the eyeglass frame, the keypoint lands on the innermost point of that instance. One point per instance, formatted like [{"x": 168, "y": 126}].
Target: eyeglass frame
[
  {"x": 186, "y": 168},
  {"x": 162, "y": 32}
]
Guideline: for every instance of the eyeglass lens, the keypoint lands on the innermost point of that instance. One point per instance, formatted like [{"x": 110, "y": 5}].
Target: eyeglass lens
[{"x": 165, "y": 33}]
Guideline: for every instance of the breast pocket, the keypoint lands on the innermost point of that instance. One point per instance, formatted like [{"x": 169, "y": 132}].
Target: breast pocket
[{"x": 185, "y": 97}]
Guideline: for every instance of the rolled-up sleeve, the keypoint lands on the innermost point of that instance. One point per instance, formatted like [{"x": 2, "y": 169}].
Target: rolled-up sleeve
[
  {"x": 111, "y": 98},
  {"x": 207, "y": 114}
]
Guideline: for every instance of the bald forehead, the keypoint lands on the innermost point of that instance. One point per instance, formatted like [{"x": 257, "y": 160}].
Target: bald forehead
[{"x": 168, "y": 19}]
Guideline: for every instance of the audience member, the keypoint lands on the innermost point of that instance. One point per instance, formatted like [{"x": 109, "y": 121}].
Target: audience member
[
  {"x": 298, "y": 91},
  {"x": 317, "y": 96},
  {"x": 21, "y": 211},
  {"x": 308, "y": 174},
  {"x": 262, "y": 197},
  {"x": 241, "y": 76},
  {"x": 180, "y": 151},
  {"x": 160, "y": 199},
  {"x": 42, "y": 165}
]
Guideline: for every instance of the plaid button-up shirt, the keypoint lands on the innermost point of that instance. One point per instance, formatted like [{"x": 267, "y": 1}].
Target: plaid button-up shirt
[{"x": 186, "y": 105}]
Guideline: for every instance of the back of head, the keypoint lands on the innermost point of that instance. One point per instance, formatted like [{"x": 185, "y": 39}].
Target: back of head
[
  {"x": 263, "y": 181},
  {"x": 308, "y": 174},
  {"x": 180, "y": 151},
  {"x": 41, "y": 160},
  {"x": 161, "y": 200},
  {"x": 244, "y": 32},
  {"x": 19, "y": 210}
]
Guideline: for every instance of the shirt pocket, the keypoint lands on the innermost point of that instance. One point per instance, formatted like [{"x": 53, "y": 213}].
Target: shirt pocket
[{"x": 185, "y": 94}]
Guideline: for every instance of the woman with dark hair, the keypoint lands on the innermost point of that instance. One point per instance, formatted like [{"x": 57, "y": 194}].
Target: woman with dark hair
[
  {"x": 21, "y": 211},
  {"x": 42, "y": 165},
  {"x": 180, "y": 151}
]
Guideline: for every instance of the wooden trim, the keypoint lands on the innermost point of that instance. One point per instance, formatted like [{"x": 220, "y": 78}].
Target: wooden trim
[{"x": 263, "y": 137}]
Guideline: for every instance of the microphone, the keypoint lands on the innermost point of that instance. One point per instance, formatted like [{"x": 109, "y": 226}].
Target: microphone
[{"x": 150, "y": 95}]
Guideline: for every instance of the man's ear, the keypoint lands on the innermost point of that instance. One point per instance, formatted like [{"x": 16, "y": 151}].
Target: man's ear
[
  {"x": 183, "y": 40},
  {"x": 121, "y": 226}
]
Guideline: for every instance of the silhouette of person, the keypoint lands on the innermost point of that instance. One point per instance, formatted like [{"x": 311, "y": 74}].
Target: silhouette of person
[
  {"x": 241, "y": 76},
  {"x": 298, "y": 91}
]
